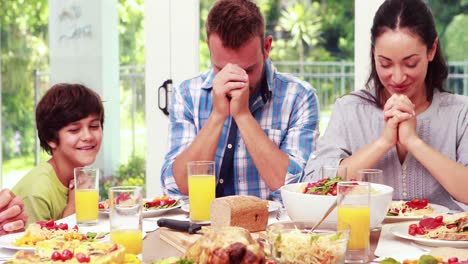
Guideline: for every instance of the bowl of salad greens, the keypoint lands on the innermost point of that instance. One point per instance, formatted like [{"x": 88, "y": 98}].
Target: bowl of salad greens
[{"x": 308, "y": 201}]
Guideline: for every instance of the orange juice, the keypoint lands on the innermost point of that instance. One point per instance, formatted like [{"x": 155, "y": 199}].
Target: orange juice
[
  {"x": 201, "y": 194},
  {"x": 132, "y": 240},
  {"x": 86, "y": 205},
  {"x": 358, "y": 219}
]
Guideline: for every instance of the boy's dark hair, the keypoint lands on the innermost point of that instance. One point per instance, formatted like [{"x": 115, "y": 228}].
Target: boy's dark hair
[
  {"x": 235, "y": 22},
  {"x": 415, "y": 16},
  {"x": 61, "y": 105}
]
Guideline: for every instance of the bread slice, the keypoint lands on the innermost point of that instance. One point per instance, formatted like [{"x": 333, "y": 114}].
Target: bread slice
[{"x": 249, "y": 212}]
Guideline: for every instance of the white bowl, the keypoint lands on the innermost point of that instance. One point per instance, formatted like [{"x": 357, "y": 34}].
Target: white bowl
[
  {"x": 311, "y": 207},
  {"x": 291, "y": 242}
]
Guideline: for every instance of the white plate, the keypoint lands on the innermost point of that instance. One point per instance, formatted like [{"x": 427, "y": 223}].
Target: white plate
[
  {"x": 401, "y": 230},
  {"x": 149, "y": 212},
  {"x": 438, "y": 210},
  {"x": 272, "y": 206},
  {"x": 7, "y": 241}
]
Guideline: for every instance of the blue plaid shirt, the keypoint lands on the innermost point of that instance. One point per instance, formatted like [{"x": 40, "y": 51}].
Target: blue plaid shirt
[{"x": 289, "y": 118}]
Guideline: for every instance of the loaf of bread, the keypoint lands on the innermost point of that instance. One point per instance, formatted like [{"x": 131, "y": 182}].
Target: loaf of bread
[{"x": 249, "y": 212}]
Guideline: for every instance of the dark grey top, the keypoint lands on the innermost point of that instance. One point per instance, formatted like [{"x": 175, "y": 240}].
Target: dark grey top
[{"x": 355, "y": 122}]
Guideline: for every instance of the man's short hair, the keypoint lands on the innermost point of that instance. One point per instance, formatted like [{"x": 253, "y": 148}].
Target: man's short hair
[
  {"x": 61, "y": 105},
  {"x": 235, "y": 22}
]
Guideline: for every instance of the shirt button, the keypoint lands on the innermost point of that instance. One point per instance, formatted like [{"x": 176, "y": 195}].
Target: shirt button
[
  {"x": 313, "y": 156},
  {"x": 404, "y": 167},
  {"x": 221, "y": 181},
  {"x": 403, "y": 175},
  {"x": 229, "y": 146},
  {"x": 404, "y": 194}
]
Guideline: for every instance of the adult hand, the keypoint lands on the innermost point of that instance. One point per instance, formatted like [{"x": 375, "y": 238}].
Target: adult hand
[
  {"x": 397, "y": 109},
  {"x": 12, "y": 215},
  {"x": 229, "y": 78},
  {"x": 407, "y": 132},
  {"x": 240, "y": 101},
  {"x": 398, "y": 104}
]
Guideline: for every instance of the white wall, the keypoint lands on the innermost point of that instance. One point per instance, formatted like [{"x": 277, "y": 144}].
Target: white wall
[
  {"x": 84, "y": 48},
  {"x": 364, "y": 11},
  {"x": 172, "y": 51}
]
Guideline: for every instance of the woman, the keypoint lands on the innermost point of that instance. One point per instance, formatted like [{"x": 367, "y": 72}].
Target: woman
[{"x": 405, "y": 123}]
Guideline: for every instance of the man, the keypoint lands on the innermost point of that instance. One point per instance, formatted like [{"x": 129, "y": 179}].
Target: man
[
  {"x": 258, "y": 125},
  {"x": 12, "y": 215}
]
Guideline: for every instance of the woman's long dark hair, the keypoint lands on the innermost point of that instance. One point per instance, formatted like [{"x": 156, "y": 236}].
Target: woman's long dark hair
[{"x": 415, "y": 16}]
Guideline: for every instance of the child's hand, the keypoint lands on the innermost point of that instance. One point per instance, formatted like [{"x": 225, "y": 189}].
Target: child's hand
[
  {"x": 70, "y": 208},
  {"x": 71, "y": 195}
]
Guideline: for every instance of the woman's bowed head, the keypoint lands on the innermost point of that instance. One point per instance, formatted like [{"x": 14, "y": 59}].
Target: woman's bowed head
[{"x": 405, "y": 123}]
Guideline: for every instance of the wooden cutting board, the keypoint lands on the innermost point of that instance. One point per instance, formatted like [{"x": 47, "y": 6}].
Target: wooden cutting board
[
  {"x": 179, "y": 240},
  {"x": 182, "y": 240}
]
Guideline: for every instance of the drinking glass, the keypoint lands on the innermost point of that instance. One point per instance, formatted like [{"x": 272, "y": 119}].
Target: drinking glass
[
  {"x": 202, "y": 189},
  {"x": 333, "y": 171},
  {"x": 354, "y": 210},
  {"x": 126, "y": 217},
  {"x": 86, "y": 195},
  {"x": 371, "y": 175}
]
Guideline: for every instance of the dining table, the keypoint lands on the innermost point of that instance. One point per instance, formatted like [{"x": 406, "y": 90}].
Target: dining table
[{"x": 382, "y": 242}]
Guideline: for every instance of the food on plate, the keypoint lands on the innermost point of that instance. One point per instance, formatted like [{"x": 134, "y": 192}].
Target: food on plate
[
  {"x": 301, "y": 246},
  {"x": 450, "y": 253},
  {"x": 425, "y": 259},
  {"x": 226, "y": 245},
  {"x": 161, "y": 203},
  {"x": 57, "y": 251},
  {"x": 326, "y": 186},
  {"x": 95, "y": 236},
  {"x": 245, "y": 211},
  {"x": 104, "y": 204},
  {"x": 444, "y": 227},
  {"x": 48, "y": 230},
  {"x": 414, "y": 207},
  {"x": 173, "y": 260}
]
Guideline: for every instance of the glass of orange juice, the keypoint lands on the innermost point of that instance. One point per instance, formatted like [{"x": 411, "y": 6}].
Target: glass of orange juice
[
  {"x": 202, "y": 187},
  {"x": 86, "y": 181},
  {"x": 354, "y": 211},
  {"x": 125, "y": 217}
]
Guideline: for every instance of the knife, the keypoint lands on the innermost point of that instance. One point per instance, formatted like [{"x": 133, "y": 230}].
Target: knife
[{"x": 179, "y": 225}]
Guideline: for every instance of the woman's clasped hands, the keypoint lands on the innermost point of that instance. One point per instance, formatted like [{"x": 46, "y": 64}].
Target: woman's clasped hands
[{"x": 399, "y": 121}]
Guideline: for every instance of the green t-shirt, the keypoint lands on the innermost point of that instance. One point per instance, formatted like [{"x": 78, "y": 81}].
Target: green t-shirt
[{"x": 43, "y": 195}]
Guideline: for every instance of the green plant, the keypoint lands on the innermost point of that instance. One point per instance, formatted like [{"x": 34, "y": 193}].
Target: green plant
[{"x": 130, "y": 174}]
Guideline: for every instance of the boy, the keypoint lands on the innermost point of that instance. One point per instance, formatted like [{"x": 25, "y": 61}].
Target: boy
[{"x": 69, "y": 121}]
